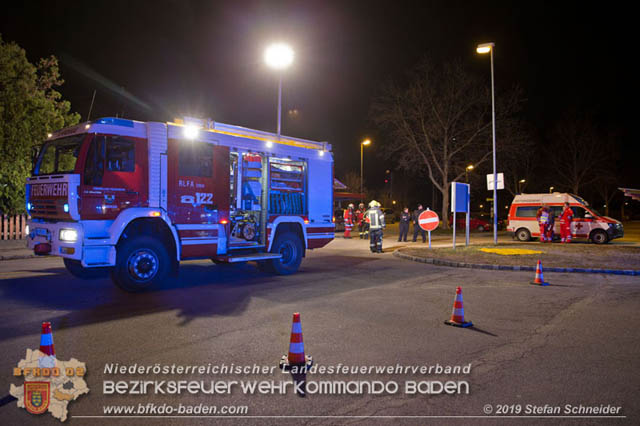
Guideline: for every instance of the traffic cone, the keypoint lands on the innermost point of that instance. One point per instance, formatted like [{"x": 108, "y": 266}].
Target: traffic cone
[
  {"x": 457, "y": 315},
  {"x": 46, "y": 347},
  {"x": 296, "y": 359},
  {"x": 539, "y": 278}
]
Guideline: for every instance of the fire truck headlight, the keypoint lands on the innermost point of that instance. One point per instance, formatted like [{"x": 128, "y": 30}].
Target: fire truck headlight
[
  {"x": 68, "y": 235},
  {"x": 65, "y": 208},
  {"x": 29, "y": 206},
  {"x": 190, "y": 132}
]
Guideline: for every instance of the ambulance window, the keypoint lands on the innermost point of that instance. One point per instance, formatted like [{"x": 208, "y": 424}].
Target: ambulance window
[
  {"x": 578, "y": 212},
  {"x": 94, "y": 164},
  {"x": 120, "y": 154},
  {"x": 195, "y": 159},
  {"x": 556, "y": 210},
  {"x": 527, "y": 211}
]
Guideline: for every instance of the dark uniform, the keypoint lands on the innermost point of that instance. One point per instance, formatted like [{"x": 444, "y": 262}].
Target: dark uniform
[
  {"x": 416, "y": 225},
  {"x": 405, "y": 219},
  {"x": 376, "y": 224}
]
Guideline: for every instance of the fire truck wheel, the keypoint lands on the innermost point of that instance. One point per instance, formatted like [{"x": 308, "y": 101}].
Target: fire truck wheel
[
  {"x": 76, "y": 269},
  {"x": 523, "y": 234},
  {"x": 140, "y": 263},
  {"x": 290, "y": 247}
]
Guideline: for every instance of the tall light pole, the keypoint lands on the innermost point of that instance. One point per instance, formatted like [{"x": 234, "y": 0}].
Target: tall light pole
[
  {"x": 362, "y": 145},
  {"x": 279, "y": 56},
  {"x": 520, "y": 182},
  {"x": 488, "y": 48},
  {"x": 466, "y": 173}
]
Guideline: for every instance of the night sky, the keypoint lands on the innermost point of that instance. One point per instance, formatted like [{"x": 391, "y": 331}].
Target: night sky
[{"x": 158, "y": 60}]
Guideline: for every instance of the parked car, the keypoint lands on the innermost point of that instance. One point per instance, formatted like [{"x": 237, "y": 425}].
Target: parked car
[
  {"x": 390, "y": 216},
  {"x": 475, "y": 223}
]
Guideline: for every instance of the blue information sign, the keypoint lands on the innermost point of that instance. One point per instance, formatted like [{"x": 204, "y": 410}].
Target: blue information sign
[{"x": 459, "y": 197}]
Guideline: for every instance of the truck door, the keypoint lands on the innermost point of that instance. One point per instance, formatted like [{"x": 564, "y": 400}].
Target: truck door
[
  {"x": 114, "y": 176},
  {"x": 198, "y": 198}
]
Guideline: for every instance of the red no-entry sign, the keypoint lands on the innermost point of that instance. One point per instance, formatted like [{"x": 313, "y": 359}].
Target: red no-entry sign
[{"x": 428, "y": 220}]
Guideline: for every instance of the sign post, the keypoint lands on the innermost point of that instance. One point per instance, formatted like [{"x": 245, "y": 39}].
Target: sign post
[
  {"x": 460, "y": 202},
  {"x": 428, "y": 220},
  {"x": 494, "y": 186}
]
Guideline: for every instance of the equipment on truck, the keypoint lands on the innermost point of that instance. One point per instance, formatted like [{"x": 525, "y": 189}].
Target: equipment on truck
[{"x": 133, "y": 198}]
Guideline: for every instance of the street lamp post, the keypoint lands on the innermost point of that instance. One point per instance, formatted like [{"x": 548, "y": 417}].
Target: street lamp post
[
  {"x": 362, "y": 145},
  {"x": 279, "y": 56},
  {"x": 488, "y": 48},
  {"x": 466, "y": 173},
  {"x": 520, "y": 182}
]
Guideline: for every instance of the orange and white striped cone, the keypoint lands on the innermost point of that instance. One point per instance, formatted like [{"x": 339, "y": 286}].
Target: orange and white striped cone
[
  {"x": 539, "y": 280},
  {"x": 48, "y": 360},
  {"x": 296, "y": 361},
  {"x": 457, "y": 315}
]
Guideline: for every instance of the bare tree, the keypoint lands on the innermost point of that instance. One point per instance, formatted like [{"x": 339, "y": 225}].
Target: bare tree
[
  {"x": 440, "y": 122},
  {"x": 352, "y": 181},
  {"x": 577, "y": 153}
]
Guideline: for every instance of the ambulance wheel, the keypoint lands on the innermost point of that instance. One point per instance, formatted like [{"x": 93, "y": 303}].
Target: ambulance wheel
[
  {"x": 523, "y": 234},
  {"x": 76, "y": 269},
  {"x": 599, "y": 237},
  {"x": 141, "y": 263},
  {"x": 290, "y": 247}
]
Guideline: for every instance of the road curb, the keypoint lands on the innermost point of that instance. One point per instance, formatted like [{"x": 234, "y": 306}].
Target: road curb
[
  {"x": 18, "y": 256},
  {"x": 442, "y": 262}
]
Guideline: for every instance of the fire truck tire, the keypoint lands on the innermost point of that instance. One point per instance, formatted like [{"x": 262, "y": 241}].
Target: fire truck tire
[
  {"x": 290, "y": 247},
  {"x": 141, "y": 263},
  {"x": 523, "y": 234},
  {"x": 75, "y": 268}
]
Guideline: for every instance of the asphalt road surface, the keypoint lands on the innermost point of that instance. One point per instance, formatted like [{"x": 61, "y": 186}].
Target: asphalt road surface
[{"x": 575, "y": 342}]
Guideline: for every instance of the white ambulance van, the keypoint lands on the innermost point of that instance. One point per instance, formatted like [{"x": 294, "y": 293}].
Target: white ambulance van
[{"x": 587, "y": 223}]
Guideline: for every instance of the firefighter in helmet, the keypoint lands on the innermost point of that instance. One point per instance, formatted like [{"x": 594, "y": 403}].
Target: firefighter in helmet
[
  {"x": 375, "y": 218},
  {"x": 348, "y": 221}
]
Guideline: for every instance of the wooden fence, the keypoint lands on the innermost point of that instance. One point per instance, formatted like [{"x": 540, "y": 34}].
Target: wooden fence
[{"x": 12, "y": 227}]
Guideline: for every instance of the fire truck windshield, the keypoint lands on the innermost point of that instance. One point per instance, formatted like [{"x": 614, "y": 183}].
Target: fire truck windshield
[{"x": 59, "y": 156}]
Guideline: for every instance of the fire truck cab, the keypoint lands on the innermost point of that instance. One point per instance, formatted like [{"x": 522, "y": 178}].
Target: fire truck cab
[{"x": 133, "y": 198}]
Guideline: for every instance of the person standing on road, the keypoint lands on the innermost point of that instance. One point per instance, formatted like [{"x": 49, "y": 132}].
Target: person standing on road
[
  {"x": 565, "y": 223},
  {"x": 543, "y": 219},
  {"x": 416, "y": 225},
  {"x": 376, "y": 225},
  {"x": 360, "y": 220},
  {"x": 550, "y": 225},
  {"x": 405, "y": 219},
  {"x": 348, "y": 221}
]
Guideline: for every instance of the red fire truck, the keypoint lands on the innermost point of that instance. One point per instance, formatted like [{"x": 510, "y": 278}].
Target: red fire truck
[{"x": 135, "y": 198}]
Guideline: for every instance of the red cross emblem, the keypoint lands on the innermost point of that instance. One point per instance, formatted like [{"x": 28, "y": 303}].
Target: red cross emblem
[{"x": 579, "y": 226}]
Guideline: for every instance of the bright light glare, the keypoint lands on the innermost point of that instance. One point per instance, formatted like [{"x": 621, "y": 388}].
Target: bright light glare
[
  {"x": 278, "y": 56},
  {"x": 68, "y": 235},
  {"x": 366, "y": 142},
  {"x": 485, "y": 47},
  {"x": 190, "y": 132},
  {"x": 470, "y": 167},
  {"x": 269, "y": 144}
]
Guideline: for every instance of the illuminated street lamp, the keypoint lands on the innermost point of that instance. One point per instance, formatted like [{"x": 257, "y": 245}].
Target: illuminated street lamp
[
  {"x": 362, "y": 145},
  {"x": 551, "y": 188},
  {"x": 520, "y": 182},
  {"x": 279, "y": 56},
  {"x": 488, "y": 48},
  {"x": 466, "y": 172}
]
